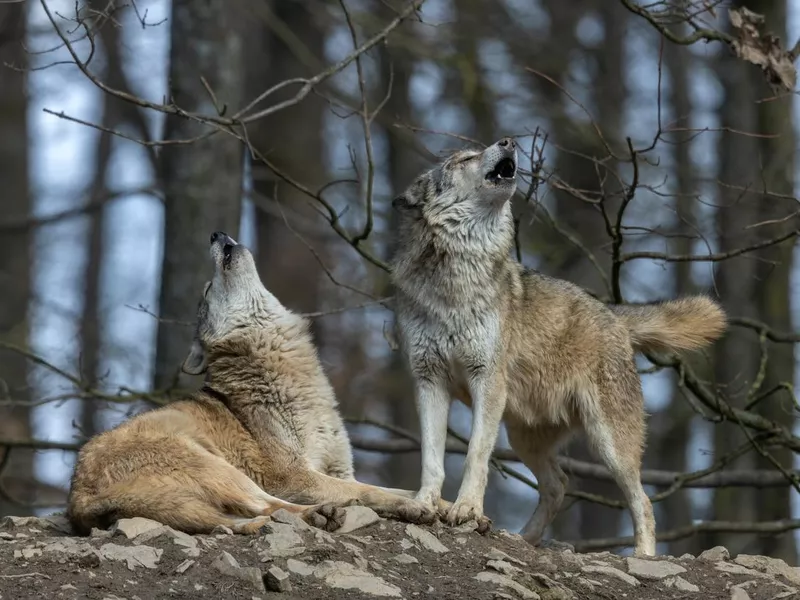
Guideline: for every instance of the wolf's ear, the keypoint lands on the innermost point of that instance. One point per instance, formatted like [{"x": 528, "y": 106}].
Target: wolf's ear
[
  {"x": 401, "y": 202},
  {"x": 406, "y": 202},
  {"x": 195, "y": 363}
]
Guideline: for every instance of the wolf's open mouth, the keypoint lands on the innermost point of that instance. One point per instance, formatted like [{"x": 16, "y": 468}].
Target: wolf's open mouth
[
  {"x": 506, "y": 168},
  {"x": 227, "y": 254}
]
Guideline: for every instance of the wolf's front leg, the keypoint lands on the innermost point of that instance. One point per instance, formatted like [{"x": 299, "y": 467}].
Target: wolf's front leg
[
  {"x": 433, "y": 404},
  {"x": 488, "y": 392}
]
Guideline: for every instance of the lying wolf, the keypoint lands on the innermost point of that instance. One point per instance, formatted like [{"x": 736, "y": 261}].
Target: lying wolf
[
  {"x": 538, "y": 352},
  {"x": 264, "y": 432}
]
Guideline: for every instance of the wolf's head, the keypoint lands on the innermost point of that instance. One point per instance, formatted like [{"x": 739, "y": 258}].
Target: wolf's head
[
  {"x": 467, "y": 185},
  {"x": 233, "y": 301}
]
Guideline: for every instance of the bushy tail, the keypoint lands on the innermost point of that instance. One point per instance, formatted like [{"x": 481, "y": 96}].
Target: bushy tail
[{"x": 683, "y": 324}]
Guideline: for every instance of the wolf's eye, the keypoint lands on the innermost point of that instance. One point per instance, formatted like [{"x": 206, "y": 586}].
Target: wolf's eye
[{"x": 467, "y": 158}]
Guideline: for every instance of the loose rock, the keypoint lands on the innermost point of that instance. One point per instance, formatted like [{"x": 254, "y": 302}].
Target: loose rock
[
  {"x": 652, "y": 569},
  {"x": 131, "y": 528},
  {"x": 298, "y": 567},
  {"x": 715, "y": 554},
  {"x": 679, "y": 583},
  {"x": 770, "y": 566},
  {"x": 357, "y": 517},
  {"x": 405, "y": 559},
  {"x": 277, "y": 580},
  {"x": 503, "y": 580},
  {"x": 283, "y": 540},
  {"x": 342, "y": 575},
  {"x": 426, "y": 539},
  {"x": 228, "y": 565},
  {"x": 134, "y": 556},
  {"x": 738, "y": 593},
  {"x": 612, "y": 572}
]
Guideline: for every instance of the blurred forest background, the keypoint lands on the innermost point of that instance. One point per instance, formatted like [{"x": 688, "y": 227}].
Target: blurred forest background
[{"x": 658, "y": 162}]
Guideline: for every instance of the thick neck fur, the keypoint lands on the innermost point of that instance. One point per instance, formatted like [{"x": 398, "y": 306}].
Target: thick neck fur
[
  {"x": 449, "y": 256},
  {"x": 272, "y": 364}
]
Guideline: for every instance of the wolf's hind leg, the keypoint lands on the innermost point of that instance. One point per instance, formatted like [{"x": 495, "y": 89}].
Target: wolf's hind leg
[
  {"x": 618, "y": 440},
  {"x": 537, "y": 447}
]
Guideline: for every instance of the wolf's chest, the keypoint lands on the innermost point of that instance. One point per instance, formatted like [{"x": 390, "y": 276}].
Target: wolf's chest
[{"x": 461, "y": 337}]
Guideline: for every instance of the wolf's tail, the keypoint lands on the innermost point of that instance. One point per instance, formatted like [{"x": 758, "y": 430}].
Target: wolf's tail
[{"x": 683, "y": 324}]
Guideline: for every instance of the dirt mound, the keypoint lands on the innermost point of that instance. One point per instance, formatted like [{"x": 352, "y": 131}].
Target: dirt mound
[{"x": 368, "y": 557}]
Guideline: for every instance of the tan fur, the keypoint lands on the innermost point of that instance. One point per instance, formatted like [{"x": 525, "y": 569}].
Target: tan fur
[
  {"x": 263, "y": 434},
  {"x": 683, "y": 324},
  {"x": 537, "y": 352}
]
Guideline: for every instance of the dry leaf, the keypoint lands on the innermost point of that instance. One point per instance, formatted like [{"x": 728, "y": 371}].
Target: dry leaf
[{"x": 762, "y": 49}]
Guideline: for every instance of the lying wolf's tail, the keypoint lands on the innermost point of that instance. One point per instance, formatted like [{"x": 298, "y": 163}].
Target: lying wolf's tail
[{"x": 683, "y": 324}]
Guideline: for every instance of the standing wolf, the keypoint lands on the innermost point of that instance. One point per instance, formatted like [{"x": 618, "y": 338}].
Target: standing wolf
[
  {"x": 264, "y": 433},
  {"x": 517, "y": 345}
]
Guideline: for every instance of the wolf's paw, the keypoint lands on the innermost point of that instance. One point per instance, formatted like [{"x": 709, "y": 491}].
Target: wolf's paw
[
  {"x": 408, "y": 510},
  {"x": 250, "y": 526},
  {"x": 443, "y": 507},
  {"x": 463, "y": 511},
  {"x": 328, "y": 517}
]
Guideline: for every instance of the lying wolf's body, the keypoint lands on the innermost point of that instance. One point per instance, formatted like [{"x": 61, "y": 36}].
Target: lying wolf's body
[
  {"x": 263, "y": 433},
  {"x": 538, "y": 352}
]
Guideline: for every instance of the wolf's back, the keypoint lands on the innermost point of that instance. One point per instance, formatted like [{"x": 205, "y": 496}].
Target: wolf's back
[{"x": 684, "y": 324}]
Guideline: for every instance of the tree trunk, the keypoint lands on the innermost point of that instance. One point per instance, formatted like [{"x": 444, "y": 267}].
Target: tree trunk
[
  {"x": 736, "y": 360},
  {"x": 670, "y": 433},
  {"x": 774, "y": 274},
  {"x": 202, "y": 181},
  {"x": 15, "y": 276}
]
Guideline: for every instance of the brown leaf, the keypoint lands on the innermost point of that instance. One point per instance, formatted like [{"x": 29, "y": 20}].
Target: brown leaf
[{"x": 762, "y": 49}]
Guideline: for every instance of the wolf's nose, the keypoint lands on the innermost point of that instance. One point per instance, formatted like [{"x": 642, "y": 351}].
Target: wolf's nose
[
  {"x": 507, "y": 143},
  {"x": 218, "y": 235}
]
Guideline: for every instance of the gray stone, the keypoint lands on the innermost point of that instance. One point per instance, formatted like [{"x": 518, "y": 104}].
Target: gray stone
[
  {"x": 679, "y": 583},
  {"x": 356, "y": 517},
  {"x": 557, "y": 546},
  {"x": 228, "y": 565},
  {"x": 686, "y": 556},
  {"x": 134, "y": 556},
  {"x": 503, "y": 580},
  {"x": 770, "y": 566},
  {"x": 134, "y": 527},
  {"x": 611, "y": 572},
  {"x": 293, "y": 519},
  {"x": 715, "y": 554},
  {"x": 100, "y": 533},
  {"x": 184, "y": 566},
  {"x": 735, "y": 569},
  {"x": 495, "y": 554},
  {"x": 738, "y": 593},
  {"x": 467, "y": 527},
  {"x": 406, "y": 544},
  {"x": 503, "y": 567},
  {"x": 277, "y": 580},
  {"x": 652, "y": 569},
  {"x": 342, "y": 575},
  {"x": 70, "y": 547},
  {"x": 298, "y": 567},
  {"x": 283, "y": 540},
  {"x": 405, "y": 559},
  {"x": 51, "y": 523},
  {"x": 426, "y": 539}
]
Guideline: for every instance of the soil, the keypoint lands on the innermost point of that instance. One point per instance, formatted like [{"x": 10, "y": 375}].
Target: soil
[{"x": 38, "y": 559}]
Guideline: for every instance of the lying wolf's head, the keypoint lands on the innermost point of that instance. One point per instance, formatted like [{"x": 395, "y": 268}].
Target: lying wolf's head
[
  {"x": 234, "y": 300},
  {"x": 466, "y": 185}
]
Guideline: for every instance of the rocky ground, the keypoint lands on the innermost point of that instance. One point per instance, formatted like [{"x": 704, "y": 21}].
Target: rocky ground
[{"x": 367, "y": 557}]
